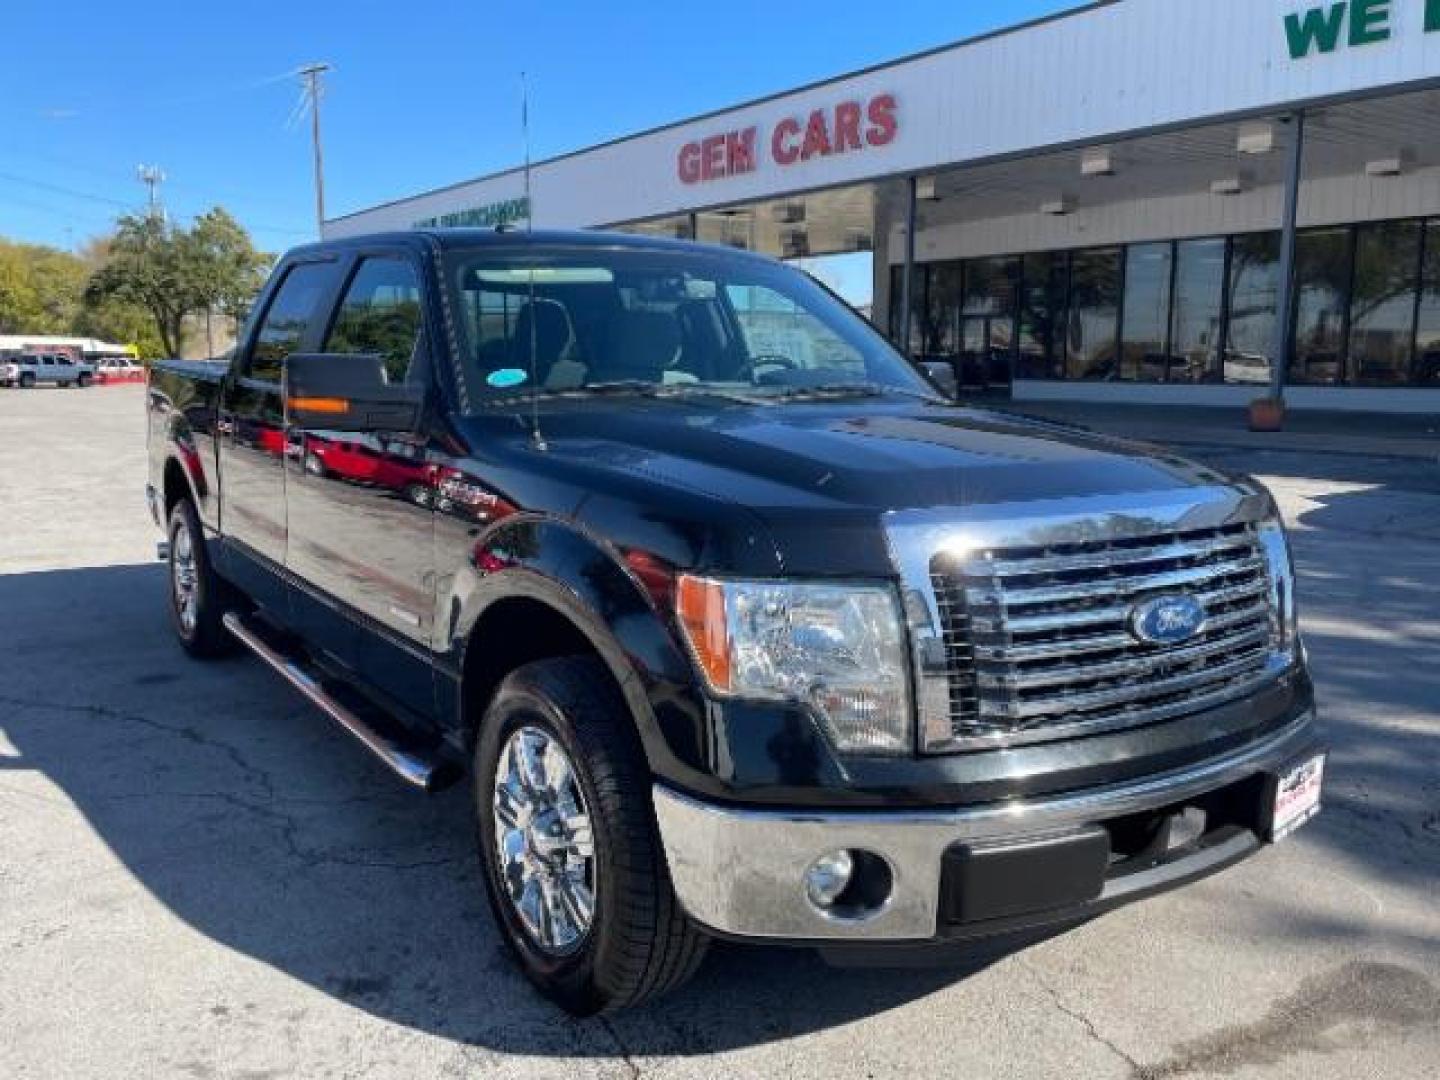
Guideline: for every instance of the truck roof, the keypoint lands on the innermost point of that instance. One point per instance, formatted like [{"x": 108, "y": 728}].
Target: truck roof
[{"x": 461, "y": 238}]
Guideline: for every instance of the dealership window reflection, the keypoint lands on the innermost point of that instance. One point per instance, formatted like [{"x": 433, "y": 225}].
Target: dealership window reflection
[
  {"x": 1427, "y": 340},
  {"x": 987, "y": 329},
  {"x": 942, "y": 310},
  {"x": 1322, "y": 280},
  {"x": 1094, "y": 314},
  {"x": 1382, "y": 303},
  {"x": 1193, "y": 311},
  {"x": 1147, "y": 313},
  {"x": 1198, "y": 309},
  {"x": 1254, "y": 292},
  {"x": 1042, "y": 316}
]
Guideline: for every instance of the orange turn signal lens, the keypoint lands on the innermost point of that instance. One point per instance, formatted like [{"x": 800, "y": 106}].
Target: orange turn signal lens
[
  {"x": 700, "y": 603},
  {"x": 332, "y": 406}
]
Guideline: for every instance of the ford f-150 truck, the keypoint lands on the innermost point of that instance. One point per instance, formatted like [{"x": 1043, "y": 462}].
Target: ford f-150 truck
[{"x": 737, "y": 625}]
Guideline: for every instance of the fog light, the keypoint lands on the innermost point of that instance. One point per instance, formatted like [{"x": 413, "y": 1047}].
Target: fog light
[{"x": 828, "y": 878}]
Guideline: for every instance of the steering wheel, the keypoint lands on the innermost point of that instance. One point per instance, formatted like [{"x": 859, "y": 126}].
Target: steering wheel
[{"x": 780, "y": 360}]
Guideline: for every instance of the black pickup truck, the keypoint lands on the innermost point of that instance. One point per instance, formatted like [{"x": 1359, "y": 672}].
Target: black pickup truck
[{"x": 738, "y": 626}]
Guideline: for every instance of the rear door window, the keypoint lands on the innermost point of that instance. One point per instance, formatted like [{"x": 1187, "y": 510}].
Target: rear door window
[{"x": 290, "y": 319}]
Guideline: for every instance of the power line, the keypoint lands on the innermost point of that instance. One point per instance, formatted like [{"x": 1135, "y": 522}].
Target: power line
[
  {"x": 207, "y": 190},
  {"x": 54, "y": 211},
  {"x": 57, "y": 189},
  {"x": 110, "y": 103},
  {"x": 73, "y": 193}
]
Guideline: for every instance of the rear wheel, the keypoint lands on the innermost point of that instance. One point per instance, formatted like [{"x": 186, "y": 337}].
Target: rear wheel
[
  {"x": 573, "y": 864},
  {"x": 197, "y": 596},
  {"x": 85, "y": 379},
  {"x": 27, "y": 381}
]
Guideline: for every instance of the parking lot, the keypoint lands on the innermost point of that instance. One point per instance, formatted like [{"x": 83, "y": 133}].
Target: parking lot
[{"x": 200, "y": 877}]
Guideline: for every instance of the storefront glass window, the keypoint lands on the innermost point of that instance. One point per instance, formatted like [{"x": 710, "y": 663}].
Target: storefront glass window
[
  {"x": 1147, "y": 312},
  {"x": 917, "y": 307},
  {"x": 1094, "y": 314},
  {"x": 987, "y": 332},
  {"x": 1427, "y": 344},
  {"x": 1199, "y": 290},
  {"x": 990, "y": 286},
  {"x": 1254, "y": 288},
  {"x": 1042, "y": 317},
  {"x": 942, "y": 311},
  {"x": 1382, "y": 304},
  {"x": 1322, "y": 284}
]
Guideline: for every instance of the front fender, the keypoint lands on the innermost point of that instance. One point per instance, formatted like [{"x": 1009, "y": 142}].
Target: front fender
[{"x": 587, "y": 581}]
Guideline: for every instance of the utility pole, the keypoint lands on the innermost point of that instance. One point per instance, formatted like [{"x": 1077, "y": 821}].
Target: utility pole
[
  {"x": 152, "y": 176},
  {"x": 310, "y": 74}
]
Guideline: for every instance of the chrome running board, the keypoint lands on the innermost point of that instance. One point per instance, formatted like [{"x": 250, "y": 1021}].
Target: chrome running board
[{"x": 420, "y": 768}]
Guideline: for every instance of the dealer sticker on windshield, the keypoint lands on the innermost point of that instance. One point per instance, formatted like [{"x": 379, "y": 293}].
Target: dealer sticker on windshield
[{"x": 1297, "y": 797}]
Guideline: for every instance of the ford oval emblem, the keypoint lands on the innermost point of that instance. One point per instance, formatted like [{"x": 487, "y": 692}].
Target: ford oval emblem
[{"x": 1167, "y": 620}]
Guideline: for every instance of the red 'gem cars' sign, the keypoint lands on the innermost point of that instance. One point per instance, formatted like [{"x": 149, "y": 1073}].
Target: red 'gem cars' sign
[{"x": 844, "y": 128}]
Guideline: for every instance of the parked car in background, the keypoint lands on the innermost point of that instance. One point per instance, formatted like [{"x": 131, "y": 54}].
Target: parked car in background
[
  {"x": 739, "y": 626},
  {"x": 118, "y": 369},
  {"x": 59, "y": 369}
]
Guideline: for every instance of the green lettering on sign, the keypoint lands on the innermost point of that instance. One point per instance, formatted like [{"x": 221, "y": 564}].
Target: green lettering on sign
[
  {"x": 1432, "y": 16},
  {"x": 1317, "y": 28},
  {"x": 490, "y": 216},
  {"x": 1369, "y": 21}
]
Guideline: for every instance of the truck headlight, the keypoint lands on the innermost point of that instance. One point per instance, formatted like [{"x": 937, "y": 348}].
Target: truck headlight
[
  {"x": 838, "y": 648},
  {"x": 1280, "y": 570}
]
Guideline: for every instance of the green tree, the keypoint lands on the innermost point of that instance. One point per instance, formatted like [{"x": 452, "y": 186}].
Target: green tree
[
  {"x": 229, "y": 272},
  {"x": 20, "y": 307},
  {"x": 176, "y": 274},
  {"x": 40, "y": 289}
]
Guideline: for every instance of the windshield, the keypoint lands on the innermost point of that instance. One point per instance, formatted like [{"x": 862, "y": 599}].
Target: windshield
[{"x": 591, "y": 321}]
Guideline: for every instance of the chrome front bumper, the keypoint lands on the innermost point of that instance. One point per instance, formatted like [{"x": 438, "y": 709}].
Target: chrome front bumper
[{"x": 740, "y": 871}]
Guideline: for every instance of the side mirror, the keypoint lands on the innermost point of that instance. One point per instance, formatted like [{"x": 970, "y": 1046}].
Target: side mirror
[
  {"x": 347, "y": 392},
  {"x": 942, "y": 374}
]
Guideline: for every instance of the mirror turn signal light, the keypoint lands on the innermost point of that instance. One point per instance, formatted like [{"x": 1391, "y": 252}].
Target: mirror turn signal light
[{"x": 329, "y": 406}]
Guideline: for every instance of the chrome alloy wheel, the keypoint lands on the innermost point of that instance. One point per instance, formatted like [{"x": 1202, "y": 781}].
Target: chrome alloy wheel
[
  {"x": 185, "y": 579},
  {"x": 544, "y": 841}
]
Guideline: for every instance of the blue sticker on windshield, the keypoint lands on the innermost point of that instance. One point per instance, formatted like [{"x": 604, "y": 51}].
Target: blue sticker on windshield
[{"x": 506, "y": 378}]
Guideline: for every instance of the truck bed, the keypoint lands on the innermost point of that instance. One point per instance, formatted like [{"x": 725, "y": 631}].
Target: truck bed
[{"x": 199, "y": 370}]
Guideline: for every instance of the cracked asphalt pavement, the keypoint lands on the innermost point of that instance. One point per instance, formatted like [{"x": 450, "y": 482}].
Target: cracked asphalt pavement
[{"x": 200, "y": 877}]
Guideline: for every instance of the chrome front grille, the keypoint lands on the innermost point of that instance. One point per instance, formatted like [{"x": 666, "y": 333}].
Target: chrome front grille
[{"x": 1037, "y": 640}]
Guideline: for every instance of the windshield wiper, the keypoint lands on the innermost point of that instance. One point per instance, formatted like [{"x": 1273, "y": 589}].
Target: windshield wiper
[
  {"x": 865, "y": 389},
  {"x": 643, "y": 388}
]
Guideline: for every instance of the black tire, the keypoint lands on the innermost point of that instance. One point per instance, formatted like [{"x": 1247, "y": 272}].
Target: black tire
[
  {"x": 204, "y": 636},
  {"x": 27, "y": 381},
  {"x": 85, "y": 380},
  {"x": 640, "y": 944}
]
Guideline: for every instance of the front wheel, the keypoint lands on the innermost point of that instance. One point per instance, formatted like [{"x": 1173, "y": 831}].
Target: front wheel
[
  {"x": 573, "y": 864},
  {"x": 27, "y": 381}
]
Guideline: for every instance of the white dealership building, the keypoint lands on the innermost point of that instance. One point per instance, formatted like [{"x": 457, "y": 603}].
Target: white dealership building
[{"x": 1115, "y": 203}]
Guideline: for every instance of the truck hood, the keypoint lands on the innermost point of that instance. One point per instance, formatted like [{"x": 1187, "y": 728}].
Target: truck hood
[{"x": 820, "y": 475}]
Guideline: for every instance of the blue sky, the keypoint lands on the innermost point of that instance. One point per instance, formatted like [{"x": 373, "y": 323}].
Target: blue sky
[{"x": 423, "y": 94}]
